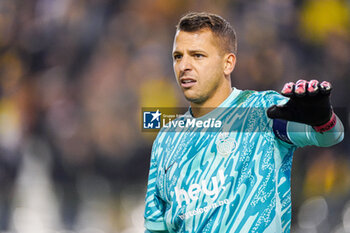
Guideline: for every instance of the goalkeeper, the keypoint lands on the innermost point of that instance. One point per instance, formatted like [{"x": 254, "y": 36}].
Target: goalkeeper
[{"x": 236, "y": 179}]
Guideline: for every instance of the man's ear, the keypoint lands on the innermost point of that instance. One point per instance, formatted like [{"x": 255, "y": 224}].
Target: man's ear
[{"x": 230, "y": 63}]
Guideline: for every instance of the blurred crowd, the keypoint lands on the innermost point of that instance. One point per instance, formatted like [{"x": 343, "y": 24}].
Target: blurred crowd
[{"x": 74, "y": 75}]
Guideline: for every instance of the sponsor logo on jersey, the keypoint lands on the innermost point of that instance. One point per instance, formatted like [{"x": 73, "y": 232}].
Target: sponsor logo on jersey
[{"x": 211, "y": 189}]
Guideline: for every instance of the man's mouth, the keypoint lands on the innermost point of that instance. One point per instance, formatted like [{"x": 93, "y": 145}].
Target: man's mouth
[{"x": 187, "y": 82}]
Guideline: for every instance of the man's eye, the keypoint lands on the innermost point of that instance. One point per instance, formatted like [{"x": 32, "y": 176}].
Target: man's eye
[
  {"x": 198, "y": 55},
  {"x": 177, "y": 57}
]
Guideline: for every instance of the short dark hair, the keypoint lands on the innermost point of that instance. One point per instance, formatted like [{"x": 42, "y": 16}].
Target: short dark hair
[{"x": 195, "y": 21}]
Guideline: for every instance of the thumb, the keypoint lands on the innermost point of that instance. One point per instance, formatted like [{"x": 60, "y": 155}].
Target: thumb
[{"x": 277, "y": 112}]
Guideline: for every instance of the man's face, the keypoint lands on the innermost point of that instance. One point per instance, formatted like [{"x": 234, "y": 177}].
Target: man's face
[{"x": 198, "y": 64}]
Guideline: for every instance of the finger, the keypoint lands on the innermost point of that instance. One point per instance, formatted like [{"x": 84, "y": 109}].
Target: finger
[
  {"x": 300, "y": 87},
  {"x": 325, "y": 87},
  {"x": 288, "y": 89},
  {"x": 313, "y": 87}
]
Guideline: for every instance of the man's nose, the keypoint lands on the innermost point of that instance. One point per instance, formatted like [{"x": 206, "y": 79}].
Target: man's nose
[{"x": 185, "y": 63}]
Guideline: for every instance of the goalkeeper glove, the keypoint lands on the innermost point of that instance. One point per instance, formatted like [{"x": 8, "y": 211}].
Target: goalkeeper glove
[{"x": 308, "y": 103}]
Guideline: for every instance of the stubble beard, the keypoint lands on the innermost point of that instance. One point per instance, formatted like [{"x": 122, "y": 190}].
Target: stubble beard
[
  {"x": 197, "y": 100},
  {"x": 201, "y": 98}
]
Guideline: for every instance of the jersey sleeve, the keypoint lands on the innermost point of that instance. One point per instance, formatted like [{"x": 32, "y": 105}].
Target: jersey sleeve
[
  {"x": 304, "y": 135},
  {"x": 299, "y": 134},
  {"x": 279, "y": 126},
  {"x": 154, "y": 206}
]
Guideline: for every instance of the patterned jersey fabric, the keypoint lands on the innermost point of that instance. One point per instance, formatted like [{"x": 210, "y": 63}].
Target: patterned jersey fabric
[{"x": 236, "y": 179}]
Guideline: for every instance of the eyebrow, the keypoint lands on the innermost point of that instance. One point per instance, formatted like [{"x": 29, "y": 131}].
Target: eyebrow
[
  {"x": 191, "y": 51},
  {"x": 197, "y": 51}
]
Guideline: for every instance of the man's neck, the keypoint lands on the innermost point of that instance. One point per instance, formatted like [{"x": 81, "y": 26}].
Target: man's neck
[{"x": 210, "y": 104}]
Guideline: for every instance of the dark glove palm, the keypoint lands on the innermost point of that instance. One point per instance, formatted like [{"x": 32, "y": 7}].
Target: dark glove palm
[{"x": 309, "y": 103}]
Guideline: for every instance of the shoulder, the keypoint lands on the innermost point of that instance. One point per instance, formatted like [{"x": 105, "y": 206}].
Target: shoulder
[{"x": 263, "y": 98}]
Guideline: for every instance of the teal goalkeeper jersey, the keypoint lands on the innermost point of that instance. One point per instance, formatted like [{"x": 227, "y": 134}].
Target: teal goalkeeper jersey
[{"x": 234, "y": 179}]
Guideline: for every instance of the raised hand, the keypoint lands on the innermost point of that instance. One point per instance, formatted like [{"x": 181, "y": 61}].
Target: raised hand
[{"x": 309, "y": 103}]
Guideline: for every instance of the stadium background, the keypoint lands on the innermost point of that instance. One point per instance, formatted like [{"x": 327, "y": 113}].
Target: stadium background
[{"x": 75, "y": 74}]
